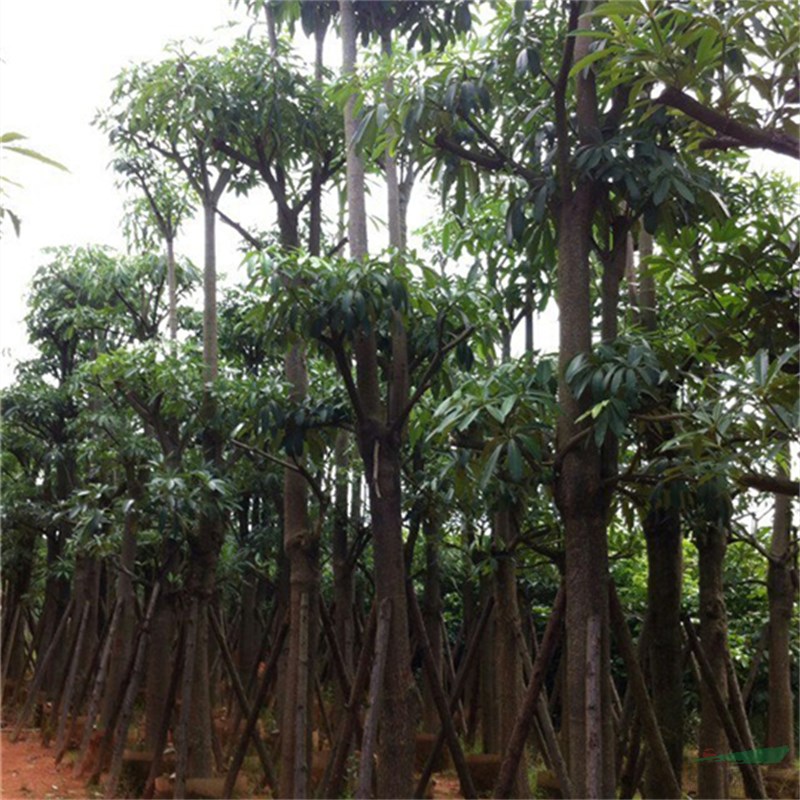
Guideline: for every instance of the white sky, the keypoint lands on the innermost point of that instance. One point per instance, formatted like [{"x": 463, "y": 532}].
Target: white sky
[{"x": 58, "y": 61}]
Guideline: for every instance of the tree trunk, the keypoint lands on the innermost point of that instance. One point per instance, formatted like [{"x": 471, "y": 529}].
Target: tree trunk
[
  {"x": 342, "y": 570},
  {"x": 508, "y": 669},
  {"x": 582, "y": 504},
  {"x": 205, "y": 544},
  {"x": 662, "y": 530},
  {"x": 711, "y": 546},
  {"x": 379, "y": 445},
  {"x": 780, "y": 592},
  {"x": 432, "y": 615}
]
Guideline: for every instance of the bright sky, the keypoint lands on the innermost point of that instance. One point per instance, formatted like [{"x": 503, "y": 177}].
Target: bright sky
[{"x": 58, "y": 61}]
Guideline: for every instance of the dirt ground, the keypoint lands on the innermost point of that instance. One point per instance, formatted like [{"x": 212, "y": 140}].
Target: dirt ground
[{"x": 29, "y": 771}]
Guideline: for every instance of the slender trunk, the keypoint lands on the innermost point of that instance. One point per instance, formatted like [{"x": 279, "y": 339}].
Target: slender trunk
[
  {"x": 122, "y": 643},
  {"x": 432, "y": 614},
  {"x": 342, "y": 569},
  {"x": 508, "y": 670},
  {"x": 711, "y": 545},
  {"x": 172, "y": 288},
  {"x": 582, "y": 504},
  {"x": 379, "y": 445},
  {"x": 205, "y": 545},
  {"x": 662, "y": 530},
  {"x": 780, "y": 591}
]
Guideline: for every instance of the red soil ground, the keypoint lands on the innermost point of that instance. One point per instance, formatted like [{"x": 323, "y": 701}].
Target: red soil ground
[{"x": 29, "y": 771}]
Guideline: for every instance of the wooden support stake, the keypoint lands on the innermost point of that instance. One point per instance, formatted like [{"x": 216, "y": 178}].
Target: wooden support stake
[
  {"x": 442, "y": 706},
  {"x": 244, "y": 703},
  {"x": 667, "y": 778},
  {"x": 41, "y": 669},
  {"x": 455, "y": 694},
  {"x": 69, "y": 688},
  {"x": 252, "y": 719},
  {"x": 370, "y": 740},
  {"x": 750, "y": 773},
  {"x": 519, "y": 735},
  {"x": 334, "y": 771}
]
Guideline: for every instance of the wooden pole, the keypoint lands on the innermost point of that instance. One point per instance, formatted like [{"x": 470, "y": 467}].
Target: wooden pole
[
  {"x": 252, "y": 719},
  {"x": 244, "y": 703},
  {"x": 455, "y": 694},
  {"x": 667, "y": 778},
  {"x": 41, "y": 670},
  {"x": 69, "y": 688},
  {"x": 519, "y": 735},
  {"x": 334, "y": 771},
  {"x": 750, "y": 773},
  {"x": 443, "y": 707},
  {"x": 368, "y": 744}
]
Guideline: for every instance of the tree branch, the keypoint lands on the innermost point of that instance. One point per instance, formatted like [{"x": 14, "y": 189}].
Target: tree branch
[
  {"x": 747, "y": 135},
  {"x": 775, "y": 484},
  {"x": 423, "y": 385}
]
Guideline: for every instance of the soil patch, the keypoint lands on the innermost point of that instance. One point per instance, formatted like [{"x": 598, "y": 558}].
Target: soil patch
[{"x": 29, "y": 771}]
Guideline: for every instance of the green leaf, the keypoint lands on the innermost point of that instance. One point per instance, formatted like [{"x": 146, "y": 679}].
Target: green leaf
[
  {"x": 587, "y": 61},
  {"x": 514, "y": 461},
  {"x": 761, "y": 367},
  {"x": 491, "y": 466},
  {"x": 25, "y": 151}
]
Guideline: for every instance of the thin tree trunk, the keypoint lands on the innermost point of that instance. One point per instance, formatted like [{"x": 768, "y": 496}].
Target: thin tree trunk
[
  {"x": 780, "y": 593},
  {"x": 374, "y": 702},
  {"x": 379, "y": 444},
  {"x": 664, "y": 538},
  {"x": 509, "y": 689},
  {"x": 711, "y": 546}
]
